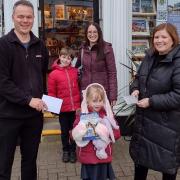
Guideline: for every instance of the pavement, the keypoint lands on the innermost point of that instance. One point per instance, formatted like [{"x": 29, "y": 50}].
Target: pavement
[{"x": 50, "y": 166}]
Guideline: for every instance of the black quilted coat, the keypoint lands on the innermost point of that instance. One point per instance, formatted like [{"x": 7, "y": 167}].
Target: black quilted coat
[{"x": 156, "y": 139}]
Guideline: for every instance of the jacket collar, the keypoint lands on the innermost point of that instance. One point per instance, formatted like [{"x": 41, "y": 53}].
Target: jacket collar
[
  {"x": 101, "y": 113},
  {"x": 13, "y": 38},
  {"x": 174, "y": 53}
]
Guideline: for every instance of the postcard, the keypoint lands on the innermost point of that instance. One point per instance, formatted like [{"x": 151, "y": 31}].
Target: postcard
[
  {"x": 53, "y": 104},
  {"x": 130, "y": 100},
  {"x": 139, "y": 47},
  {"x": 140, "y": 26},
  {"x": 91, "y": 120}
]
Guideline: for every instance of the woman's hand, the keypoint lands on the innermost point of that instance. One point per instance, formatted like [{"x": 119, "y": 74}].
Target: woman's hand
[
  {"x": 135, "y": 93},
  {"x": 143, "y": 103}
]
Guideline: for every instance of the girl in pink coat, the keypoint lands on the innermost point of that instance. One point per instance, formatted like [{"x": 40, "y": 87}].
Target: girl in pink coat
[
  {"x": 63, "y": 83},
  {"x": 94, "y": 151}
]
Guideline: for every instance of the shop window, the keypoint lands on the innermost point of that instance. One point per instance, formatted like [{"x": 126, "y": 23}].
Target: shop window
[{"x": 64, "y": 24}]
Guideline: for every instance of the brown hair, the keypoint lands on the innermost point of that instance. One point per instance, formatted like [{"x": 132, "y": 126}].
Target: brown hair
[
  {"x": 24, "y": 3},
  {"x": 67, "y": 51},
  {"x": 100, "y": 41},
  {"x": 171, "y": 30},
  {"x": 95, "y": 91}
]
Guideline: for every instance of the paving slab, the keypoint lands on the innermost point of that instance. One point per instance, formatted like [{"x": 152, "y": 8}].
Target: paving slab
[{"x": 50, "y": 166}]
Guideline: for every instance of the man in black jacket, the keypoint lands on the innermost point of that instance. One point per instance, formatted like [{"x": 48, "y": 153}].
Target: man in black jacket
[{"x": 23, "y": 66}]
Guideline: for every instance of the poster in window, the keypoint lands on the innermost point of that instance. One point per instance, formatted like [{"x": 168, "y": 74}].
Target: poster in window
[
  {"x": 161, "y": 5},
  {"x": 59, "y": 12},
  {"x": 140, "y": 27},
  {"x": 139, "y": 47},
  {"x": 174, "y": 13}
]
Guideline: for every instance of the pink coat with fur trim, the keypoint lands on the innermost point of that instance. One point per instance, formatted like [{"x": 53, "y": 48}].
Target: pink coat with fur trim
[
  {"x": 87, "y": 154},
  {"x": 63, "y": 83}
]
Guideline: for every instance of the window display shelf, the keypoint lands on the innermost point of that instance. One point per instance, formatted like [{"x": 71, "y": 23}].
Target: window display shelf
[
  {"x": 143, "y": 14},
  {"x": 65, "y": 25},
  {"x": 143, "y": 23}
]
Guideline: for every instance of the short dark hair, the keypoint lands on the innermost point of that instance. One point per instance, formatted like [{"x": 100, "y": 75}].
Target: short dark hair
[{"x": 24, "y": 3}]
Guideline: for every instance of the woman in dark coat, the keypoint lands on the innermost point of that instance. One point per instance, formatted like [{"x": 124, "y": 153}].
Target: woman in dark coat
[
  {"x": 156, "y": 139},
  {"x": 98, "y": 63}
]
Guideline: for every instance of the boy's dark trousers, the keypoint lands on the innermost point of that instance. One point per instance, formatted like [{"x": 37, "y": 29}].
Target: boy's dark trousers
[
  {"x": 141, "y": 174},
  {"x": 29, "y": 130},
  {"x": 66, "y": 120}
]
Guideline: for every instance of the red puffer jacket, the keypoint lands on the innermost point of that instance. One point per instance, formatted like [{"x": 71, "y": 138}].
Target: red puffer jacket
[
  {"x": 63, "y": 83},
  {"x": 87, "y": 154}
]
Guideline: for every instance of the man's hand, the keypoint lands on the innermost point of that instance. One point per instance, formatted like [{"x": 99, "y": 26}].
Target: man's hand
[{"x": 38, "y": 104}]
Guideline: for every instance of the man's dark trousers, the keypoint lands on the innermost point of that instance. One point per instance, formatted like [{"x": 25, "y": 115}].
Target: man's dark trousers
[{"x": 29, "y": 130}]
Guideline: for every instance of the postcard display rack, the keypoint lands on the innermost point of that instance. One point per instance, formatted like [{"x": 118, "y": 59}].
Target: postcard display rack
[
  {"x": 143, "y": 22},
  {"x": 64, "y": 26}
]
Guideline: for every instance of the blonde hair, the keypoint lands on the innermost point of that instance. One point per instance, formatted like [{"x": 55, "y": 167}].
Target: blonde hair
[{"x": 95, "y": 91}]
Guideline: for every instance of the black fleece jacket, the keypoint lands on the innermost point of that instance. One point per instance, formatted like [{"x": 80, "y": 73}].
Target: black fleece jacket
[{"x": 22, "y": 75}]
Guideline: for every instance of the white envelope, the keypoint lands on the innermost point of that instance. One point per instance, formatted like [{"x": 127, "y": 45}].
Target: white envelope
[{"x": 53, "y": 104}]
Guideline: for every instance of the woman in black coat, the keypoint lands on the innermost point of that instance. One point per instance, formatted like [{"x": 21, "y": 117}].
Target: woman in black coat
[{"x": 156, "y": 139}]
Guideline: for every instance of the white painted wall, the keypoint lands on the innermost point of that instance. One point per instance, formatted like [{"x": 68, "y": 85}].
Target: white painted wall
[
  {"x": 116, "y": 26},
  {"x": 8, "y": 8}
]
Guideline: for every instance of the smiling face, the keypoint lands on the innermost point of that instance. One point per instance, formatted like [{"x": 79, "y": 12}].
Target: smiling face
[
  {"x": 95, "y": 98},
  {"x": 23, "y": 18},
  {"x": 65, "y": 60},
  {"x": 92, "y": 35},
  {"x": 163, "y": 42}
]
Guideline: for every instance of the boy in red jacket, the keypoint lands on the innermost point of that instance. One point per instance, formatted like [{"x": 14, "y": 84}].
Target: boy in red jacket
[{"x": 63, "y": 83}]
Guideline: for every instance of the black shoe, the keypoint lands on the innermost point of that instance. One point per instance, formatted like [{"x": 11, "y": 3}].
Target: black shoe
[
  {"x": 73, "y": 157},
  {"x": 65, "y": 157}
]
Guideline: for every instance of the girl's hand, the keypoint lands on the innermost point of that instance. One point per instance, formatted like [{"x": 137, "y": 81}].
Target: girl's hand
[
  {"x": 143, "y": 103},
  {"x": 135, "y": 93}
]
